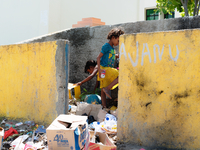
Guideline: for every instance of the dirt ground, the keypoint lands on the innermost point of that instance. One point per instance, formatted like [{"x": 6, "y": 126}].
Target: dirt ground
[{"x": 121, "y": 146}]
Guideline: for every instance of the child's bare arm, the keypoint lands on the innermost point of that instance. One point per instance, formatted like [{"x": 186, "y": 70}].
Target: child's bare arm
[
  {"x": 98, "y": 63},
  {"x": 89, "y": 77}
]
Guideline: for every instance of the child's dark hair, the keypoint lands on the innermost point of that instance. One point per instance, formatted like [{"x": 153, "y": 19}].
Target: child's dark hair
[
  {"x": 116, "y": 32},
  {"x": 90, "y": 63}
]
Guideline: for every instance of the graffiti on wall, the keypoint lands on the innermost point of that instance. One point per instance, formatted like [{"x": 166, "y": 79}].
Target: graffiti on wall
[
  {"x": 159, "y": 89},
  {"x": 146, "y": 51}
]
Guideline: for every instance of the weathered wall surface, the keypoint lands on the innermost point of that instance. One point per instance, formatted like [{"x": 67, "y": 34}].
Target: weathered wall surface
[
  {"x": 86, "y": 43},
  {"x": 159, "y": 91},
  {"x": 160, "y": 104},
  {"x": 33, "y": 77}
]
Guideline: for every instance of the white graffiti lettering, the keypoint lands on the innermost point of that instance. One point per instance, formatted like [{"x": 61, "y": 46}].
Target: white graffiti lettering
[
  {"x": 145, "y": 53},
  {"x": 124, "y": 51},
  {"x": 170, "y": 53},
  {"x": 137, "y": 57},
  {"x": 159, "y": 54},
  {"x": 145, "y": 45}
]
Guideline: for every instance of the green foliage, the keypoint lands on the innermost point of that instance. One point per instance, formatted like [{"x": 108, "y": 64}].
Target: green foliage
[
  {"x": 167, "y": 6},
  {"x": 83, "y": 95},
  {"x": 185, "y": 7}
]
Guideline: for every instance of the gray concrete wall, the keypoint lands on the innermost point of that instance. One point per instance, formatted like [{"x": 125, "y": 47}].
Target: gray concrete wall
[
  {"x": 62, "y": 62},
  {"x": 86, "y": 43}
]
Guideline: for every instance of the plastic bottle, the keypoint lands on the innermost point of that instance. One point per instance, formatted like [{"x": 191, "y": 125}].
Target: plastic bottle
[
  {"x": 96, "y": 126},
  {"x": 114, "y": 127},
  {"x": 111, "y": 117},
  {"x": 19, "y": 124},
  {"x": 29, "y": 123},
  {"x": 107, "y": 124},
  {"x": 110, "y": 125}
]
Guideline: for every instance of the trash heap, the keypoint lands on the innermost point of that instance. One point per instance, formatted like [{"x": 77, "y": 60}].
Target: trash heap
[
  {"x": 87, "y": 126},
  {"x": 102, "y": 123},
  {"x": 22, "y": 135}
]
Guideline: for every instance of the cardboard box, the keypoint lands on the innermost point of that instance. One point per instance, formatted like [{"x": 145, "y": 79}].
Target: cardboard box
[
  {"x": 95, "y": 108},
  {"x": 1, "y": 136},
  {"x": 89, "y": 109},
  {"x": 104, "y": 139},
  {"x": 68, "y": 132},
  {"x": 83, "y": 108},
  {"x": 101, "y": 115}
]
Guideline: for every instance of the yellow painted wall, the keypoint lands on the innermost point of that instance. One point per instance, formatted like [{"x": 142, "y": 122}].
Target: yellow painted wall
[
  {"x": 159, "y": 89},
  {"x": 28, "y": 81}
]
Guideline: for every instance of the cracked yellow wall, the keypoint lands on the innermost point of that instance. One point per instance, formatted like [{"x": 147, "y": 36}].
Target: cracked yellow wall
[
  {"x": 28, "y": 81},
  {"x": 159, "y": 89}
]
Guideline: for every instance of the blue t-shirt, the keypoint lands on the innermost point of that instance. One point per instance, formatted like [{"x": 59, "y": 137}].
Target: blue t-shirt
[{"x": 108, "y": 58}]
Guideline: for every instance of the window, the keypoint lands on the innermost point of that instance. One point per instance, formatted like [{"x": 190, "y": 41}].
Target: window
[
  {"x": 167, "y": 16},
  {"x": 151, "y": 14}
]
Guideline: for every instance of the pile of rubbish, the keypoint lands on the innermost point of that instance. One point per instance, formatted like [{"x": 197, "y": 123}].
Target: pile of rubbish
[
  {"x": 102, "y": 123},
  {"x": 101, "y": 120},
  {"x": 87, "y": 126},
  {"x": 22, "y": 135}
]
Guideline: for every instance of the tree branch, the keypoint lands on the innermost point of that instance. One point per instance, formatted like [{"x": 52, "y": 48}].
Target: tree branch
[
  {"x": 185, "y": 3},
  {"x": 198, "y": 9},
  {"x": 195, "y": 8},
  {"x": 182, "y": 2}
]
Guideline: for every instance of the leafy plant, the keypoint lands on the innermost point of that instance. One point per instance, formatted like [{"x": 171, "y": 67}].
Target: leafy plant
[
  {"x": 83, "y": 95},
  {"x": 185, "y": 7}
]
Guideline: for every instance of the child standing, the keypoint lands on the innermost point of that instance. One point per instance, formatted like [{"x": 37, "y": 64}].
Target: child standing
[{"x": 105, "y": 61}]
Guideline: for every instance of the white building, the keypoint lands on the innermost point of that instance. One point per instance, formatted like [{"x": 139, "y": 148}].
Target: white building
[{"x": 25, "y": 19}]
